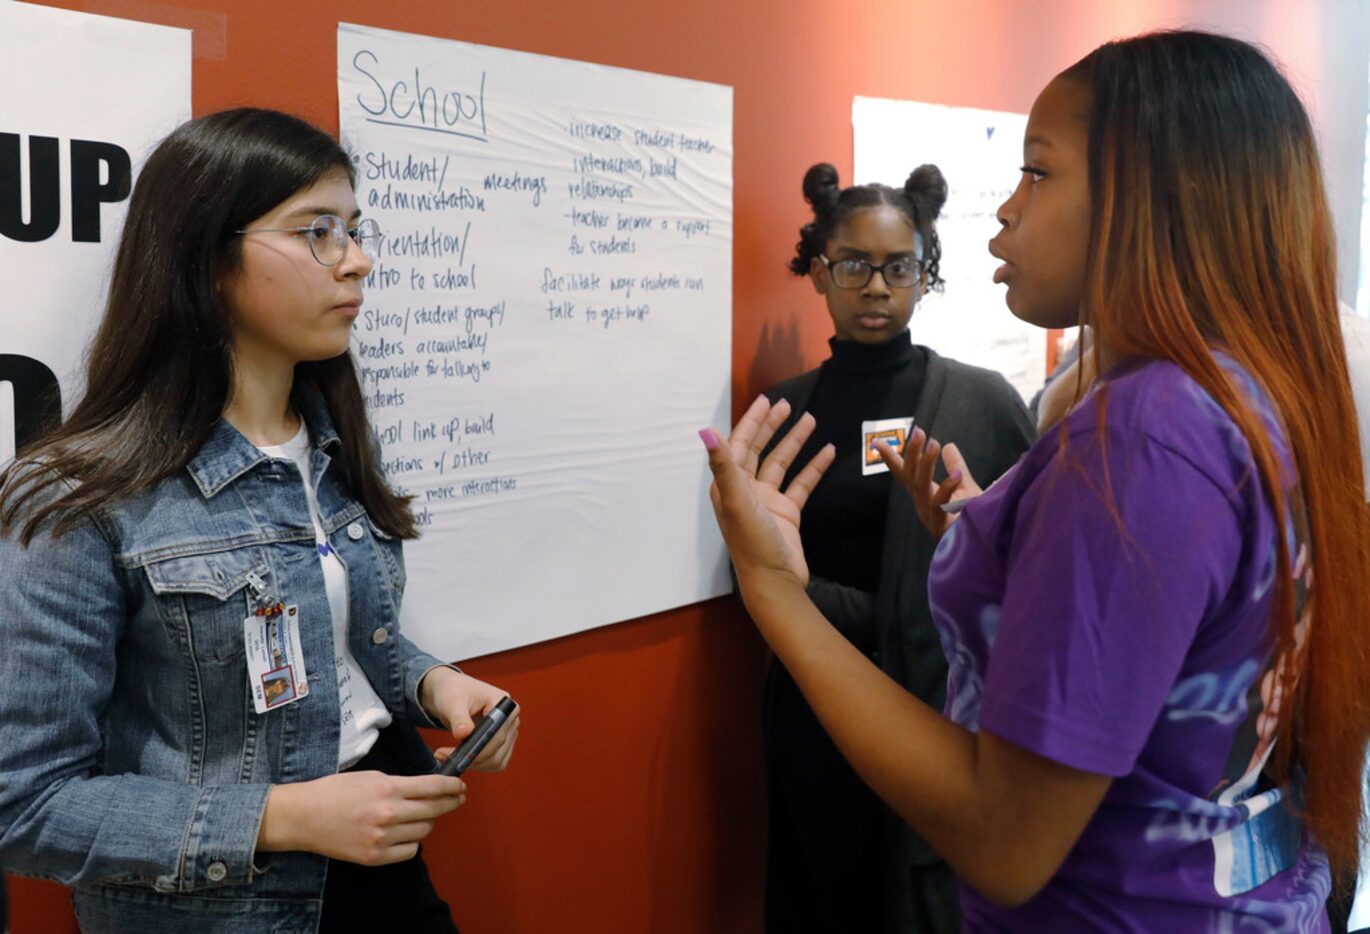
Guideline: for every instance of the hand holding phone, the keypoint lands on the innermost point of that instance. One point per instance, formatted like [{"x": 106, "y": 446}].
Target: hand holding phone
[{"x": 486, "y": 728}]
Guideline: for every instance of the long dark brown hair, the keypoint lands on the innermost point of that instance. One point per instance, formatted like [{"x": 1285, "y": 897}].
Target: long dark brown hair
[
  {"x": 160, "y": 369},
  {"x": 1210, "y": 228}
]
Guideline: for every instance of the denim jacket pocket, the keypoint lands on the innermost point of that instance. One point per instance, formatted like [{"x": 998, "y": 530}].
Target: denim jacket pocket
[{"x": 207, "y": 596}]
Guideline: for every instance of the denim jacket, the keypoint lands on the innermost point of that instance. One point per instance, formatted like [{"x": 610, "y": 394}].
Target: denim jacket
[{"x": 133, "y": 765}]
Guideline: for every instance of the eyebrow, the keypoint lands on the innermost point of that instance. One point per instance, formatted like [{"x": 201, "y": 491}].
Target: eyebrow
[
  {"x": 854, "y": 253},
  {"x": 1037, "y": 139},
  {"x": 313, "y": 211}
]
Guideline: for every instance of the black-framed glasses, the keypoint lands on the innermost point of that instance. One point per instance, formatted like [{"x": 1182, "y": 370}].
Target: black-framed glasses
[
  {"x": 902, "y": 272},
  {"x": 327, "y": 237}
]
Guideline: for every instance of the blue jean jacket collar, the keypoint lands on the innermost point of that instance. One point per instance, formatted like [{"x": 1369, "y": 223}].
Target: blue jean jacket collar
[{"x": 226, "y": 455}]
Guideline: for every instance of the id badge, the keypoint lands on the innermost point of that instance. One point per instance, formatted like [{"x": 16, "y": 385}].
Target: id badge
[
  {"x": 275, "y": 662},
  {"x": 892, "y": 431}
]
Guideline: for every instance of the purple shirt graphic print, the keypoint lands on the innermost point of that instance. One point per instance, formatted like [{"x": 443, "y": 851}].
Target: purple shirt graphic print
[{"x": 1107, "y": 604}]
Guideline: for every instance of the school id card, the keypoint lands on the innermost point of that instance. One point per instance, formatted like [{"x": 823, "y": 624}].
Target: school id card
[
  {"x": 275, "y": 662},
  {"x": 892, "y": 431}
]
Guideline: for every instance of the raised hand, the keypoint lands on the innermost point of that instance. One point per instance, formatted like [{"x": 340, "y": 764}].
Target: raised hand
[
  {"x": 930, "y": 500},
  {"x": 760, "y": 524}
]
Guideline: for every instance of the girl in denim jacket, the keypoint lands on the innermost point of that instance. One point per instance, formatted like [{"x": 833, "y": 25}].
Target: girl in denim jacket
[{"x": 207, "y": 711}]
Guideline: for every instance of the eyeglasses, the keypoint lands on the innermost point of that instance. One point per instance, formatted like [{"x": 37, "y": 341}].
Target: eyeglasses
[
  {"x": 901, "y": 273},
  {"x": 327, "y": 237}
]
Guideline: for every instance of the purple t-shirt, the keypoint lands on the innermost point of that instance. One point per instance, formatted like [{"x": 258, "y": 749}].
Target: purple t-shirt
[{"x": 1128, "y": 634}]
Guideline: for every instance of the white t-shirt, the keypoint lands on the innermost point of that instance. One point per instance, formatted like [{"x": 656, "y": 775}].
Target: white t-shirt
[{"x": 362, "y": 716}]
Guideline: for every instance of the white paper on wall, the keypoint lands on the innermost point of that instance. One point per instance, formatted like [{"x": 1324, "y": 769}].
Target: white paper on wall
[
  {"x": 548, "y": 326},
  {"x": 979, "y": 152},
  {"x": 87, "y": 98}
]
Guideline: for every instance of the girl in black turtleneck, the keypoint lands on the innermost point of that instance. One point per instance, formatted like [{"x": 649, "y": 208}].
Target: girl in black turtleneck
[{"x": 839, "y": 860}]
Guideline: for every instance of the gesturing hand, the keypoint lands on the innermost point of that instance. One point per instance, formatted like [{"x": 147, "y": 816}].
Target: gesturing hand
[
  {"x": 760, "y": 524},
  {"x": 915, "y": 475}
]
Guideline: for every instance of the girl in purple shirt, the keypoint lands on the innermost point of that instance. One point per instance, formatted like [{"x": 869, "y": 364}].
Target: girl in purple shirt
[{"x": 1155, "y": 621}]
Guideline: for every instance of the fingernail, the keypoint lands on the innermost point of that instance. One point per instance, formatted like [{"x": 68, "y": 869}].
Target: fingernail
[
  {"x": 709, "y": 437},
  {"x": 955, "y": 475}
]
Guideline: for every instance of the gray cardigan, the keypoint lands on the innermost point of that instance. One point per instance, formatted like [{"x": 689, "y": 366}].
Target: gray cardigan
[{"x": 979, "y": 411}]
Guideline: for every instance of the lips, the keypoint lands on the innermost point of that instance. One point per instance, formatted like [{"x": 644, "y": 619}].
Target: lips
[
  {"x": 873, "y": 320},
  {"x": 1002, "y": 273}
]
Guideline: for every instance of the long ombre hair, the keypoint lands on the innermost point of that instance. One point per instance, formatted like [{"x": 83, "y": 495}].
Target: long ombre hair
[
  {"x": 160, "y": 369},
  {"x": 1210, "y": 228}
]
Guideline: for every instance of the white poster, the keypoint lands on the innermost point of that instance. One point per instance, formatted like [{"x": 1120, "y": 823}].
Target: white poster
[
  {"x": 87, "y": 98},
  {"x": 547, "y": 328},
  {"x": 979, "y": 152}
]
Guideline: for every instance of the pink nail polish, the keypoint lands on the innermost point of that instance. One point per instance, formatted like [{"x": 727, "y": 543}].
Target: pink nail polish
[{"x": 709, "y": 437}]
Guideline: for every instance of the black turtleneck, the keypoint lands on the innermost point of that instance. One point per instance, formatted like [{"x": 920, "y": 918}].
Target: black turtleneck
[{"x": 844, "y": 522}]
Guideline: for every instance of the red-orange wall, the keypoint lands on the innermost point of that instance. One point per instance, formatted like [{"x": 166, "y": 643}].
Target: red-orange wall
[{"x": 635, "y": 802}]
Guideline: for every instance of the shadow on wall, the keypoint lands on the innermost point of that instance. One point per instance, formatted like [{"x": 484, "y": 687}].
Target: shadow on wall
[{"x": 778, "y": 356}]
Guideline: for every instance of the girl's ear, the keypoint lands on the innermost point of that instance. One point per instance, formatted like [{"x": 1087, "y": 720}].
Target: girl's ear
[
  {"x": 224, "y": 273},
  {"x": 223, "y": 283},
  {"x": 817, "y": 276}
]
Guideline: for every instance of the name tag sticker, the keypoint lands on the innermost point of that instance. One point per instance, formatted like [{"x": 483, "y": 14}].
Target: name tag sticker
[
  {"x": 275, "y": 662},
  {"x": 892, "y": 431}
]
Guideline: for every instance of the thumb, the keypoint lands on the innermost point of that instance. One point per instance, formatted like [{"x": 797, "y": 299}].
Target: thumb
[
  {"x": 951, "y": 457},
  {"x": 891, "y": 455},
  {"x": 462, "y": 724},
  {"x": 734, "y": 501},
  {"x": 725, "y": 471}
]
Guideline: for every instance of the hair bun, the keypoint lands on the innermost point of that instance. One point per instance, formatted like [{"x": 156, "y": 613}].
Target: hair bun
[
  {"x": 927, "y": 188},
  {"x": 821, "y": 188}
]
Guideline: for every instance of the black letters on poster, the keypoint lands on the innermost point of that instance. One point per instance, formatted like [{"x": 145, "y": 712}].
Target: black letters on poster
[
  {"x": 37, "y": 397},
  {"x": 89, "y": 160},
  {"x": 44, "y": 189},
  {"x": 88, "y": 192}
]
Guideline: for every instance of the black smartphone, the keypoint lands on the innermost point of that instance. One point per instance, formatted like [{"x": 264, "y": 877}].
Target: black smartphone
[{"x": 486, "y": 728}]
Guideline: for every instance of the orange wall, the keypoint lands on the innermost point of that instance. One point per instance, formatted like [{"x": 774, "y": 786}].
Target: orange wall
[{"x": 635, "y": 801}]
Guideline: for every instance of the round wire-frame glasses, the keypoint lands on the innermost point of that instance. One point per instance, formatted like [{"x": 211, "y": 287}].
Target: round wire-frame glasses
[{"x": 327, "y": 237}]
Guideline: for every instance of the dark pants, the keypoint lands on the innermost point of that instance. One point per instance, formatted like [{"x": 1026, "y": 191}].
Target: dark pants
[
  {"x": 832, "y": 864},
  {"x": 825, "y": 854},
  {"x": 397, "y": 897}
]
